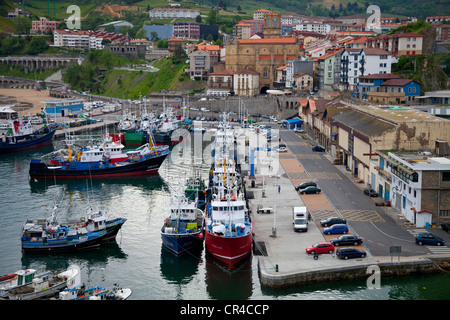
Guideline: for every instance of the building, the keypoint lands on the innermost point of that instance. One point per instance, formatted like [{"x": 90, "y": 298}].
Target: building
[
  {"x": 442, "y": 32},
  {"x": 313, "y": 27},
  {"x": 398, "y": 44},
  {"x": 174, "y": 44},
  {"x": 209, "y": 32},
  {"x": 394, "y": 91},
  {"x": 419, "y": 186},
  {"x": 220, "y": 83},
  {"x": 296, "y": 67},
  {"x": 173, "y": 13},
  {"x": 242, "y": 31},
  {"x": 303, "y": 81},
  {"x": 187, "y": 30},
  {"x": 329, "y": 69},
  {"x": 43, "y": 25},
  {"x": 437, "y": 19},
  {"x": 85, "y": 39},
  {"x": 201, "y": 64},
  {"x": 360, "y": 62},
  {"x": 63, "y": 107},
  {"x": 246, "y": 83},
  {"x": 18, "y": 13},
  {"x": 272, "y": 25},
  {"x": 256, "y": 26},
  {"x": 260, "y": 14},
  {"x": 365, "y": 83}
]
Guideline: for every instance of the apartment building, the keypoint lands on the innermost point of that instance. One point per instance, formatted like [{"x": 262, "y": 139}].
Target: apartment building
[
  {"x": 360, "y": 62},
  {"x": 43, "y": 25},
  {"x": 85, "y": 39},
  {"x": 201, "y": 64},
  {"x": 246, "y": 82},
  {"x": 329, "y": 69},
  {"x": 173, "y": 13},
  {"x": 242, "y": 31},
  {"x": 188, "y": 30},
  {"x": 398, "y": 44},
  {"x": 260, "y": 14},
  {"x": 220, "y": 83},
  {"x": 318, "y": 27}
]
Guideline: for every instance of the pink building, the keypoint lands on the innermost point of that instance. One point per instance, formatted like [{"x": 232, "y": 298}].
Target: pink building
[{"x": 43, "y": 25}]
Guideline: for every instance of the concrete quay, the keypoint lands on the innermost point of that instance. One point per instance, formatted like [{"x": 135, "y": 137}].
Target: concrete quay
[{"x": 282, "y": 259}]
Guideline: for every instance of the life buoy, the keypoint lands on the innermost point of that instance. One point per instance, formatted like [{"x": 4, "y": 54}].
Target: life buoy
[
  {"x": 82, "y": 219},
  {"x": 83, "y": 158}
]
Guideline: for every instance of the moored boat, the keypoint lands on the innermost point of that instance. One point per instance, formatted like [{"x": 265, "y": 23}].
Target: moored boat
[
  {"x": 45, "y": 285},
  {"x": 229, "y": 229},
  {"x": 21, "y": 135},
  {"x": 183, "y": 229},
  {"x": 45, "y": 235},
  {"x": 79, "y": 292},
  {"x": 95, "y": 163},
  {"x": 18, "y": 278}
]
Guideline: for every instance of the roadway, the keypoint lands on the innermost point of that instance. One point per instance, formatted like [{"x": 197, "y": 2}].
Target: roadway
[{"x": 379, "y": 227}]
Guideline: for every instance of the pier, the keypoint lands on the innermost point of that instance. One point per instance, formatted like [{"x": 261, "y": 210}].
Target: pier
[{"x": 282, "y": 259}]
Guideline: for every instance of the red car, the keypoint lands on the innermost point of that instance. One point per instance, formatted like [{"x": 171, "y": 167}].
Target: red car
[{"x": 321, "y": 247}]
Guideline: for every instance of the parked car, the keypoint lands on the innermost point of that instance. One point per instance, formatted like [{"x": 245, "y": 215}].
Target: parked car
[
  {"x": 298, "y": 130},
  {"x": 429, "y": 239},
  {"x": 348, "y": 253},
  {"x": 282, "y": 148},
  {"x": 370, "y": 193},
  {"x": 321, "y": 247},
  {"x": 336, "y": 229},
  {"x": 332, "y": 220},
  {"x": 347, "y": 239},
  {"x": 446, "y": 227},
  {"x": 306, "y": 184},
  {"x": 309, "y": 190},
  {"x": 318, "y": 149}
]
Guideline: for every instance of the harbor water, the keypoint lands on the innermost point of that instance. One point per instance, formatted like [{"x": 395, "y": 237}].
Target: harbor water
[{"x": 137, "y": 259}]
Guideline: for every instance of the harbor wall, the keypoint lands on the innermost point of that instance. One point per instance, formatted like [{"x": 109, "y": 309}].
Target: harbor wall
[{"x": 387, "y": 269}]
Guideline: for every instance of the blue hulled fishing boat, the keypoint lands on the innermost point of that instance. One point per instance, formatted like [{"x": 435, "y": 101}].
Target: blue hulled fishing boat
[{"x": 21, "y": 135}]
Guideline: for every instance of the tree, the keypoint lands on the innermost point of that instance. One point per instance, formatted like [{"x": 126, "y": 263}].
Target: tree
[
  {"x": 23, "y": 25},
  {"x": 141, "y": 34},
  {"x": 37, "y": 45},
  {"x": 154, "y": 36},
  {"x": 198, "y": 19},
  {"x": 238, "y": 8},
  {"x": 212, "y": 17}
]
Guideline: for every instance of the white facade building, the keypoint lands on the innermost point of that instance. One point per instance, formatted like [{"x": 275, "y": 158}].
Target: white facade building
[
  {"x": 322, "y": 28},
  {"x": 173, "y": 13},
  {"x": 362, "y": 62}
]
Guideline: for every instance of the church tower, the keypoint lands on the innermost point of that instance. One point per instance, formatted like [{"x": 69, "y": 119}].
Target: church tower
[{"x": 272, "y": 25}]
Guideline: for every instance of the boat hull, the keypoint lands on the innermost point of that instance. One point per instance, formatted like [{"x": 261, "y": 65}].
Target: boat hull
[
  {"x": 229, "y": 250},
  {"x": 179, "y": 243},
  {"x": 40, "y": 294},
  {"x": 113, "y": 227},
  {"x": 40, "y": 170},
  {"x": 37, "y": 247},
  {"x": 28, "y": 144}
]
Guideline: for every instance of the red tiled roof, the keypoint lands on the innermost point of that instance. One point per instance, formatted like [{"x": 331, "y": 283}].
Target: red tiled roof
[
  {"x": 246, "y": 71},
  {"x": 375, "y": 51},
  {"x": 273, "y": 40},
  {"x": 397, "y": 82},
  {"x": 380, "y": 76}
]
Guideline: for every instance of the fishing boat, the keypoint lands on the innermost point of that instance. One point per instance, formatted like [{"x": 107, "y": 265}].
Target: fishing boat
[
  {"x": 195, "y": 186},
  {"x": 45, "y": 285},
  {"x": 45, "y": 235},
  {"x": 94, "y": 162},
  {"x": 21, "y": 135},
  {"x": 229, "y": 227},
  {"x": 12, "y": 280},
  {"x": 79, "y": 292},
  {"x": 183, "y": 229}
]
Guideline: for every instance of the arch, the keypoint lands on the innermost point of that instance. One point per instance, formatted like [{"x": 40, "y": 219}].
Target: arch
[{"x": 264, "y": 90}]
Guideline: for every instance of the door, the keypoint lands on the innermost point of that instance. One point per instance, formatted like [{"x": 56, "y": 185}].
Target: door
[
  {"x": 380, "y": 191},
  {"x": 372, "y": 181}
]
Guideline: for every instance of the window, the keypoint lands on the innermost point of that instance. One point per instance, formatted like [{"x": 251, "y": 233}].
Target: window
[
  {"x": 444, "y": 213},
  {"x": 446, "y": 176}
]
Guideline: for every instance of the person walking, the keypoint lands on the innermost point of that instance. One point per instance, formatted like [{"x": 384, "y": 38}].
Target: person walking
[{"x": 279, "y": 189}]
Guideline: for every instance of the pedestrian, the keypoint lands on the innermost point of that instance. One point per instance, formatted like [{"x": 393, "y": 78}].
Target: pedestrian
[{"x": 279, "y": 189}]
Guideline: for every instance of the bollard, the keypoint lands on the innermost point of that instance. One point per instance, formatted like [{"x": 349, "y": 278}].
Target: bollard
[{"x": 276, "y": 268}]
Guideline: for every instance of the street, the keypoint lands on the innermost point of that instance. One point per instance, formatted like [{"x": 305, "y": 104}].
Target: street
[{"x": 377, "y": 228}]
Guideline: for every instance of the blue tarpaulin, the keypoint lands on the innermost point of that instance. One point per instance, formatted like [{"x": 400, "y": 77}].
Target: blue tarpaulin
[{"x": 295, "y": 122}]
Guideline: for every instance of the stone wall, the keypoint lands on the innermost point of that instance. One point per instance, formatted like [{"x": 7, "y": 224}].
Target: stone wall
[{"x": 387, "y": 269}]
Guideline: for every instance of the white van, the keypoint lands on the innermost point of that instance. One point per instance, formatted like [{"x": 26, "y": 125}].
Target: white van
[{"x": 301, "y": 217}]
